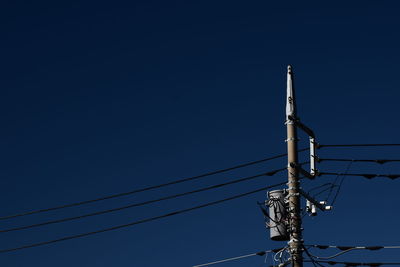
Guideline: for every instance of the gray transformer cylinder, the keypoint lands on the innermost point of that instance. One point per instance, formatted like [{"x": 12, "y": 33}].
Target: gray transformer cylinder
[{"x": 278, "y": 215}]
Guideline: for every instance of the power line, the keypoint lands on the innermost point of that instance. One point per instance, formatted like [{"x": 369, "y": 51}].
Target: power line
[
  {"x": 314, "y": 262},
  {"x": 334, "y": 184},
  {"x": 271, "y": 173},
  {"x": 341, "y": 183},
  {"x": 346, "y": 263},
  {"x": 261, "y": 253},
  {"x": 145, "y": 188},
  {"x": 357, "y": 247},
  {"x": 318, "y": 187},
  {"x": 324, "y": 190},
  {"x": 139, "y": 221},
  {"x": 365, "y": 175},
  {"x": 379, "y": 161},
  {"x": 355, "y": 145},
  {"x": 335, "y": 255},
  {"x": 346, "y": 249}
]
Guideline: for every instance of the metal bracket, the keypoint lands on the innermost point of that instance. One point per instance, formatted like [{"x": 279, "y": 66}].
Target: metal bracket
[
  {"x": 313, "y": 143},
  {"x": 318, "y": 204},
  {"x": 291, "y": 139},
  {"x": 313, "y": 157},
  {"x": 293, "y": 195},
  {"x": 302, "y": 171},
  {"x": 302, "y": 126}
]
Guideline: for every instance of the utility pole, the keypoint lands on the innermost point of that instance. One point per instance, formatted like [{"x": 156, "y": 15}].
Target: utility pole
[{"x": 295, "y": 242}]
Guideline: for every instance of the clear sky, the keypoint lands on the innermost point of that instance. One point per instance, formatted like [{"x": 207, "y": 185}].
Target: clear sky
[{"x": 103, "y": 97}]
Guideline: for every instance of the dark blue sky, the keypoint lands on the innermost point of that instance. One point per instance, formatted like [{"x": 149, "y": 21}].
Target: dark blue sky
[{"x": 103, "y": 97}]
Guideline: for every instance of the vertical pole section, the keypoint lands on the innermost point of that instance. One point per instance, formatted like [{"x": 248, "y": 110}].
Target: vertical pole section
[{"x": 295, "y": 242}]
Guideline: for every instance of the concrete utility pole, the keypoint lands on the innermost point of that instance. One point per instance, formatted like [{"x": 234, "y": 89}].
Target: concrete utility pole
[{"x": 295, "y": 242}]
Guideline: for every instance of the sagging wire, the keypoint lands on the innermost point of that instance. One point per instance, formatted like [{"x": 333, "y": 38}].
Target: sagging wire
[
  {"x": 360, "y": 247},
  {"x": 138, "y": 204},
  {"x": 314, "y": 262},
  {"x": 318, "y": 187},
  {"x": 284, "y": 257},
  {"x": 346, "y": 249},
  {"x": 340, "y": 184},
  {"x": 378, "y": 161},
  {"x": 148, "y": 188},
  {"x": 348, "y": 264},
  {"x": 365, "y": 175},
  {"x": 331, "y": 186},
  {"x": 260, "y": 253},
  {"x": 354, "y": 145},
  {"x": 333, "y": 256},
  {"x": 233, "y": 258},
  {"x": 132, "y": 223},
  {"x": 265, "y": 260}
]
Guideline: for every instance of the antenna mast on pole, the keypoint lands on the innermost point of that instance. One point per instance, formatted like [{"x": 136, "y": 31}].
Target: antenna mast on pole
[{"x": 294, "y": 229}]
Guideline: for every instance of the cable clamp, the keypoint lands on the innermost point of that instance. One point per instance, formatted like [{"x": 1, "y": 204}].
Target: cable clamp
[
  {"x": 289, "y": 122},
  {"x": 292, "y": 139},
  {"x": 294, "y": 240}
]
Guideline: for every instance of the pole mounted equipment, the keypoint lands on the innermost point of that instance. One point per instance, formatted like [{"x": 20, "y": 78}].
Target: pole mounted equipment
[
  {"x": 278, "y": 215},
  {"x": 290, "y": 98}
]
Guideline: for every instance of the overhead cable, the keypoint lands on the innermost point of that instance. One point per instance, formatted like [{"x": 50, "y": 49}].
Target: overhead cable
[
  {"x": 65, "y": 238},
  {"x": 270, "y": 173},
  {"x": 318, "y": 187},
  {"x": 345, "y": 249},
  {"x": 332, "y": 186},
  {"x": 311, "y": 257},
  {"x": 335, "y": 255},
  {"x": 335, "y": 185},
  {"x": 357, "y": 247},
  {"x": 340, "y": 184},
  {"x": 346, "y": 263},
  {"x": 144, "y": 188},
  {"x": 379, "y": 161},
  {"x": 354, "y": 145},
  {"x": 261, "y": 253},
  {"x": 324, "y": 187},
  {"x": 365, "y": 175}
]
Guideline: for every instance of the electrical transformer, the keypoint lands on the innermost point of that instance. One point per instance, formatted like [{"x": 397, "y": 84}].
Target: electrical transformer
[{"x": 278, "y": 215}]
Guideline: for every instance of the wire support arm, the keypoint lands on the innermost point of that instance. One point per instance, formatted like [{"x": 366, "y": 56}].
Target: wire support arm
[
  {"x": 301, "y": 126},
  {"x": 301, "y": 170}
]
